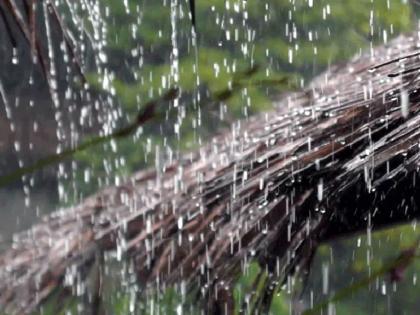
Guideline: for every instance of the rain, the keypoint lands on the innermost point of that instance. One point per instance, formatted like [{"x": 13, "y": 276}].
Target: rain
[{"x": 209, "y": 157}]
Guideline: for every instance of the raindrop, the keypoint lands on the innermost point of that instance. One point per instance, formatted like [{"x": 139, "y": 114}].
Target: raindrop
[
  {"x": 15, "y": 60},
  {"x": 180, "y": 223},
  {"x": 405, "y": 103},
  {"x": 320, "y": 189}
]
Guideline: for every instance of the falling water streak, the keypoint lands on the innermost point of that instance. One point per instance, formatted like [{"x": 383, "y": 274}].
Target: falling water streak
[
  {"x": 405, "y": 103},
  {"x": 175, "y": 51},
  {"x": 5, "y": 102},
  {"x": 52, "y": 66},
  {"x": 320, "y": 189},
  {"x": 8, "y": 110}
]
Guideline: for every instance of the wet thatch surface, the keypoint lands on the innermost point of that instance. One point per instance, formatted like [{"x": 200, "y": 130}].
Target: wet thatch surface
[{"x": 339, "y": 156}]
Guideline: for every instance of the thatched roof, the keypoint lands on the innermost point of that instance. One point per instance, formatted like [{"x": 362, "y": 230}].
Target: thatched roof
[{"x": 329, "y": 160}]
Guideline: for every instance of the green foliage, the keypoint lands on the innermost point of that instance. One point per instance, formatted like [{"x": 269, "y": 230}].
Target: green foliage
[
  {"x": 356, "y": 259},
  {"x": 249, "y": 286},
  {"x": 55, "y": 305},
  {"x": 167, "y": 303}
]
